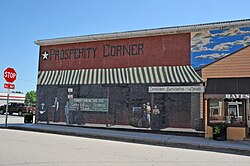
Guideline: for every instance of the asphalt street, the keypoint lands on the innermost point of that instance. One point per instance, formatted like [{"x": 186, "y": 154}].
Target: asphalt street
[
  {"x": 24, "y": 148},
  {"x": 198, "y": 143}
]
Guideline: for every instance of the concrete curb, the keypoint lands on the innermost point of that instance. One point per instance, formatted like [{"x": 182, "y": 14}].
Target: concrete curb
[
  {"x": 148, "y": 141},
  {"x": 177, "y": 133}
]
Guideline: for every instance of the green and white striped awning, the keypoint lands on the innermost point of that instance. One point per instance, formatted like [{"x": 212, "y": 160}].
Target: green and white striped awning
[{"x": 133, "y": 75}]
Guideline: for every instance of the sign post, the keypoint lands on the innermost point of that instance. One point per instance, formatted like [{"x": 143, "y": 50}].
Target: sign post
[
  {"x": 9, "y": 76},
  {"x": 6, "y": 116}
]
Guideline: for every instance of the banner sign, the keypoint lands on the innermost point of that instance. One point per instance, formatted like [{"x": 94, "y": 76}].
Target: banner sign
[
  {"x": 176, "y": 89},
  {"x": 89, "y": 104}
]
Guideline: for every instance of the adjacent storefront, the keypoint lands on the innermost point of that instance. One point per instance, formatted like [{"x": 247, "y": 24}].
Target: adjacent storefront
[{"x": 227, "y": 95}]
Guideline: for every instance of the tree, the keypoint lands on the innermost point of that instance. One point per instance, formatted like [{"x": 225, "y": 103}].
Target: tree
[
  {"x": 17, "y": 92},
  {"x": 30, "y": 98}
]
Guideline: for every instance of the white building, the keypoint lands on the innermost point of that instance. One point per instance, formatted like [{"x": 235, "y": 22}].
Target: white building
[{"x": 13, "y": 97}]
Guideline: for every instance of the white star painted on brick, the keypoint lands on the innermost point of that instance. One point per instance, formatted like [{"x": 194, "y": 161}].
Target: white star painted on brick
[{"x": 45, "y": 55}]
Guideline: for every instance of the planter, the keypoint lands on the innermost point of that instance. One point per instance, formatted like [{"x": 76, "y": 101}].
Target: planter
[
  {"x": 28, "y": 117},
  {"x": 219, "y": 132}
]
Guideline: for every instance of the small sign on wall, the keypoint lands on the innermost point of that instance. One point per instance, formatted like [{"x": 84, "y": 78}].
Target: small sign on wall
[
  {"x": 70, "y": 90},
  {"x": 176, "y": 89},
  {"x": 89, "y": 104}
]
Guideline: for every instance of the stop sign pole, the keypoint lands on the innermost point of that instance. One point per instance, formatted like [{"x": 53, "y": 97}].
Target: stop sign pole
[
  {"x": 9, "y": 76},
  {"x": 7, "y": 106}
]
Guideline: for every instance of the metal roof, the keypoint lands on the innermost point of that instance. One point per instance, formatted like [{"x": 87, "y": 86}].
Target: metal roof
[{"x": 145, "y": 32}]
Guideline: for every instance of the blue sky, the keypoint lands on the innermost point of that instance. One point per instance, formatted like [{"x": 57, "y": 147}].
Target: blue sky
[{"x": 24, "y": 21}]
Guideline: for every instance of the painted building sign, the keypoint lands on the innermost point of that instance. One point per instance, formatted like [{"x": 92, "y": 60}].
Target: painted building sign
[
  {"x": 170, "y": 50},
  {"x": 176, "y": 89},
  {"x": 89, "y": 104},
  {"x": 83, "y": 53},
  {"x": 208, "y": 46}
]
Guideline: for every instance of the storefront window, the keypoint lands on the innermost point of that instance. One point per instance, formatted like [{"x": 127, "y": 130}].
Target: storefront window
[
  {"x": 226, "y": 111},
  {"x": 235, "y": 112},
  {"x": 215, "y": 108}
]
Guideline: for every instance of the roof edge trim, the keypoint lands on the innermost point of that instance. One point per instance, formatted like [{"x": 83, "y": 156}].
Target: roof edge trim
[{"x": 144, "y": 33}]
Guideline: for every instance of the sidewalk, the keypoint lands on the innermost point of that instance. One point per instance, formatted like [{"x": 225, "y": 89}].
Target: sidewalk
[{"x": 199, "y": 143}]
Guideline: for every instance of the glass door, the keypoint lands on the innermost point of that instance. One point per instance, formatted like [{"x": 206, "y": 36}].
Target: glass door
[{"x": 235, "y": 112}]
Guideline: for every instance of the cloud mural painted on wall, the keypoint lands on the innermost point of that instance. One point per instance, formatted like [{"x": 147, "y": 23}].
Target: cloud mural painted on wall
[{"x": 208, "y": 46}]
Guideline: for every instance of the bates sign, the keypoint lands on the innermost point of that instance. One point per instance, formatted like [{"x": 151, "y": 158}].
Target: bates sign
[{"x": 10, "y": 74}]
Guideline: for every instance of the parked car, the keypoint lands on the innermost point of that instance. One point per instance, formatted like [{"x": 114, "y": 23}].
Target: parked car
[{"x": 19, "y": 108}]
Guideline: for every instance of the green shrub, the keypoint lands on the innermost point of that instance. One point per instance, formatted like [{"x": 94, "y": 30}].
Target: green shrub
[{"x": 217, "y": 128}]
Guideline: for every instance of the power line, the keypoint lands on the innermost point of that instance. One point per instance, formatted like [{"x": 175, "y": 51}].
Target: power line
[
  {"x": 26, "y": 80},
  {"x": 22, "y": 79}
]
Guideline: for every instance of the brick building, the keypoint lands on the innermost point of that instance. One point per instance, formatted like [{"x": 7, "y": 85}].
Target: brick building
[{"x": 121, "y": 67}]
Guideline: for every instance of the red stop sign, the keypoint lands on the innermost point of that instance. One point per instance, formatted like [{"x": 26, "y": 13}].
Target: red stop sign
[{"x": 10, "y": 74}]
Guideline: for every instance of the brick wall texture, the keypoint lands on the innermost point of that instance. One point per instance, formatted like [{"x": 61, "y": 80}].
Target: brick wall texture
[
  {"x": 177, "y": 109},
  {"x": 162, "y": 50}
]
